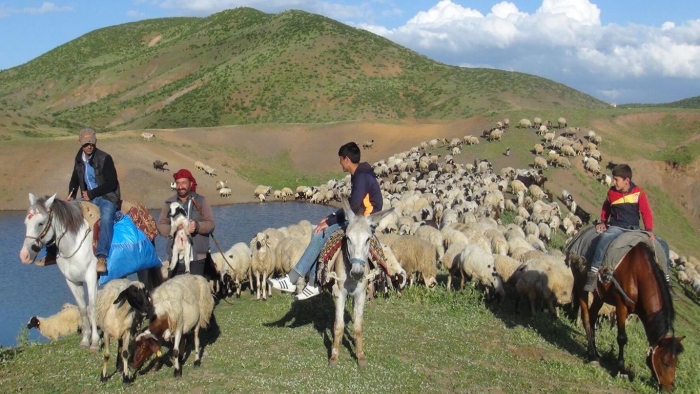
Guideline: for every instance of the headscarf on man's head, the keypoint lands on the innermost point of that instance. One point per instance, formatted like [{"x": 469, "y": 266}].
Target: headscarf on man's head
[{"x": 183, "y": 173}]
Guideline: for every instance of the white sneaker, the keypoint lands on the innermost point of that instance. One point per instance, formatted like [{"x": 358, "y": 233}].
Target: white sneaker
[
  {"x": 308, "y": 292},
  {"x": 282, "y": 284}
]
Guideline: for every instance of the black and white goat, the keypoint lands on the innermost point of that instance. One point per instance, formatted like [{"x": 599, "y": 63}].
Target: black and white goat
[{"x": 180, "y": 233}]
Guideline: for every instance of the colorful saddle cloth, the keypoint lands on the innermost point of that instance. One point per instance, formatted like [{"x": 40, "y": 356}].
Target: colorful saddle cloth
[
  {"x": 335, "y": 243},
  {"x": 585, "y": 244},
  {"x": 136, "y": 211}
]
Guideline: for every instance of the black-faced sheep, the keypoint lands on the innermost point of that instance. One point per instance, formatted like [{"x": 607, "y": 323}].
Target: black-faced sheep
[
  {"x": 179, "y": 306},
  {"x": 67, "y": 321},
  {"x": 118, "y": 320}
]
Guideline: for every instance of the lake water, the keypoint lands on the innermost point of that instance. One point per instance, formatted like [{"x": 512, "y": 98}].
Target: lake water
[{"x": 28, "y": 290}]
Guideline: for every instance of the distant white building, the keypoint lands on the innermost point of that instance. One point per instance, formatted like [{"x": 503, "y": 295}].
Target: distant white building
[{"x": 614, "y": 105}]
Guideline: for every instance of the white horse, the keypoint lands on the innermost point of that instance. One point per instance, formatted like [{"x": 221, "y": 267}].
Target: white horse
[
  {"x": 54, "y": 221},
  {"x": 356, "y": 249}
]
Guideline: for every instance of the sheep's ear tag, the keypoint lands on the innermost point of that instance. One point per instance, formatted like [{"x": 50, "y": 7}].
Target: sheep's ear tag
[{"x": 158, "y": 353}]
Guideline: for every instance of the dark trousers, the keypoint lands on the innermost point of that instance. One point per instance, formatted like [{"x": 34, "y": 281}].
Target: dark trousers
[{"x": 196, "y": 268}]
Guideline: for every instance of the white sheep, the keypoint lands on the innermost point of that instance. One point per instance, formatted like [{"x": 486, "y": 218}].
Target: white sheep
[
  {"x": 287, "y": 253},
  {"x": 67, "y": 321},
  {"x": 235, "y": 267},
  {"x": 221, "y": 184},
  {"x": 415, "y": 256},
  {"x": 563, "y": 162},
  {"x": 591, "y": 165},
  {"x": 225, "y": 192},
  {"x": 538, "y": 149},
  {"x": 179, "y": 306},
  {"x": 432, "y": 235},
  {"x": 561, "y": 122},
  {"x": 478, "y": 264},
  {"x": 545, "y": 232},
  {"x": 540, "y": 163},
  {"x": 180, "y": 233},
  {"x": 119, "y": 320},
  {"x": 545, "y": 279},
  {"x": 524, "y": 123},
  {"x": 262, "y": 264},
  {"x": 199, "y": 165},
  {"x": 505, "y": 266},
  {"x": 209, "y": 170}
]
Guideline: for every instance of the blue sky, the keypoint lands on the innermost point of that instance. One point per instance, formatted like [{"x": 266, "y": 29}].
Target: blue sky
[{"x": 618, "y": 51}]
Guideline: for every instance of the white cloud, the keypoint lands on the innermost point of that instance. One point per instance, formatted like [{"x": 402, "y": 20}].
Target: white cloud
[
  {"x": 136, "y": 14},
  {"x": 563, "y": 40},
  {"x": 45, "y": 8}
]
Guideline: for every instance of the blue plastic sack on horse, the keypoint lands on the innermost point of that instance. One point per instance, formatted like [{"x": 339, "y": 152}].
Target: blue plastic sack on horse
[{"x": 131, "y": 251}]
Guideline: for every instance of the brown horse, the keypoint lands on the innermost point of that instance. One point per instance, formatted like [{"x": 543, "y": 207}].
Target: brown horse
[{"x": 646, "y": 294}]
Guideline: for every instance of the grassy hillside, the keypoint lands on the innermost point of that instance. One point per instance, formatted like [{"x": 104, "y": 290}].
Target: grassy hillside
[
  {"x": 690, "y": 102},
  {"x": 424, "y": 342},
  {"x": 244, "y": 66}
]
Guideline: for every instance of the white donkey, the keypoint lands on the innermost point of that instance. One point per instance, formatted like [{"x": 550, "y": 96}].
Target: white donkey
[
  {"x": 354, "y": 250},
  {"x": 51, "y": 221}
]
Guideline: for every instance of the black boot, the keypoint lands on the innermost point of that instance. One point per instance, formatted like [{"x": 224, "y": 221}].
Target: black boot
[{"x": 591, "y": 281}]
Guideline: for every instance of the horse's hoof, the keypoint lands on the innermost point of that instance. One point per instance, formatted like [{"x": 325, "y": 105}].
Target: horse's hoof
[
  {"x": 103, "y": 378},
  {"x": 197, "y": 363},
  {"x": 333, "y": 363},
  {"x": 126, "y": 381},
  {"x": 594, "y": 363},
  {"x": 95, "y": 348},
  {"x": 362, "y": 363},
  {"x": 84, "y": 343},
  {"x": 177, "y": 373}
]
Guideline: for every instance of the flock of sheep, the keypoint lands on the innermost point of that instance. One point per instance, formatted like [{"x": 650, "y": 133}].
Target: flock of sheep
[{"x": 446, "y": 216}]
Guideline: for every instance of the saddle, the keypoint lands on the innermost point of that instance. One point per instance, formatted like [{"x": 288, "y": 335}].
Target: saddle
[
  {"x": 585, "y": 244},
  {"x": 136, "y": 211},
  {"x": 333, "y": 246}
]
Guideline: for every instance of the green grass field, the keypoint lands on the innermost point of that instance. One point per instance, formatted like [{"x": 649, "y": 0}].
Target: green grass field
[{"x": 423, "y": 342}]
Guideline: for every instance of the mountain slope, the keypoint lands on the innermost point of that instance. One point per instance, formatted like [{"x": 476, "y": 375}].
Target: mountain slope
[{"x": 244, "y": 66}]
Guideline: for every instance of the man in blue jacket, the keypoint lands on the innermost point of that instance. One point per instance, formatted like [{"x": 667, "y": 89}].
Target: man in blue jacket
[{"x": 365, "y": 199}]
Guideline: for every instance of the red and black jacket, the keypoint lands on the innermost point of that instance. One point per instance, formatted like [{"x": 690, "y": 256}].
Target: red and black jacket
[{"x": 622, "y": 209}]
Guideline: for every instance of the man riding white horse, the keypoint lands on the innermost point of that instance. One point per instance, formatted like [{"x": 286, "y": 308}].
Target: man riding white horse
[{"x": 95, "y": 175}]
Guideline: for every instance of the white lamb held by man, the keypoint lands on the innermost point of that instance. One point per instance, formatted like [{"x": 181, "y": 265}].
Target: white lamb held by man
[
  {"x": 67, "y": 321},
  {"x": 180, "y": 232}
]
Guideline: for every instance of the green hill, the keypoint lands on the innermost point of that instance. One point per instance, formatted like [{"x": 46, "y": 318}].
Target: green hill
[
  {"x": 245, "y": 66},
  {"x": 689, "y": 103}
]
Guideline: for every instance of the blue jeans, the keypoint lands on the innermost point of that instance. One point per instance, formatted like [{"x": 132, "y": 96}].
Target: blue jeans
[
  {"x": 107, "y": 211},
  {"x": 307, "y": 262},
  {"x": 667, "y": 252},
  {"x": 604, "y": 240}
]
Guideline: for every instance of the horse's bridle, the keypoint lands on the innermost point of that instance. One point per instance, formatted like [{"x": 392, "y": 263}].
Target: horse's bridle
[
  {"x": 650, "y": 354},
  {"x": 39, "y": 242}
]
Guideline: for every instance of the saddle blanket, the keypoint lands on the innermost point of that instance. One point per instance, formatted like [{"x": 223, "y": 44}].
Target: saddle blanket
[
  {"x": 136, "y": 211},
  {"x": 334, "y": 243},
  {"x": 586, "y": 242}
]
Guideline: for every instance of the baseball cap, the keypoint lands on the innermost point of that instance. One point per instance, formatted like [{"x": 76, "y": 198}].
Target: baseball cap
[{"x": 87, "y": 136}]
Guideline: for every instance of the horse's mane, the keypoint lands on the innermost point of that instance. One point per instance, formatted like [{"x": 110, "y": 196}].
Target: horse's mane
[
  {"x": 661, "y": 321},
  {"x": 69, "y": 214}
]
